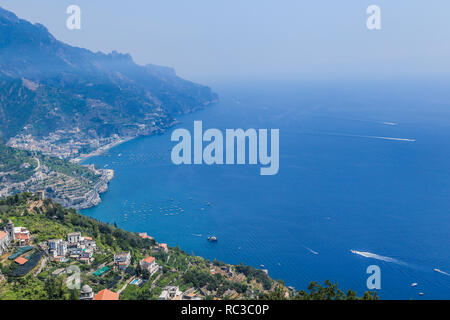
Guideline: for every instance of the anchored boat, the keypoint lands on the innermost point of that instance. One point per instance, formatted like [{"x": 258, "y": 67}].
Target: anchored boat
[{"x": 212, "y": 239}]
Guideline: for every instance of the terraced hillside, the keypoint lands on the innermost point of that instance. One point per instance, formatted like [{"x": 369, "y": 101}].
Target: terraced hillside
[{"x": 70, "y": 184}]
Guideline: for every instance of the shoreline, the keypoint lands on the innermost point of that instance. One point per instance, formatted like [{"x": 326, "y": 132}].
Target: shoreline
[{"x": 101, "y": 150}]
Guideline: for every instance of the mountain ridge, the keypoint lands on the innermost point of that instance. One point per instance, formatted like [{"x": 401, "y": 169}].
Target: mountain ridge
[{"x": 47, "y": 85}]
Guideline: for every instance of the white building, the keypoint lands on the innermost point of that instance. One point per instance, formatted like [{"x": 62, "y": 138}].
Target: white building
[
  {"x": 149, "y": 264},
  {"x": 74, "y": 237},
  {"x": 52, "y": 244},
  {"x": 89, "y": 243},
  {"x": 170, "y": 293},
  {"x": 61, "y": 248},
  {"x": 122, "y": 260},
  {"x": 57, "y": 247}
]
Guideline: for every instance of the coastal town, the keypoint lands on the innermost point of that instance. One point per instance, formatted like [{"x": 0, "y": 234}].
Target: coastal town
[
  {"x": 72, "y": 185},
  {"x": 65, "y": 144}
]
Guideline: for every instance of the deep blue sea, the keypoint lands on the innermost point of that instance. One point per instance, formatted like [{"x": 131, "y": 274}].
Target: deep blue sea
[{"x": 341, "y": 186}]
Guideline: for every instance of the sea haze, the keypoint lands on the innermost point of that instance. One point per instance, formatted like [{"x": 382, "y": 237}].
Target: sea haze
[{"x": 347, "y": 195}]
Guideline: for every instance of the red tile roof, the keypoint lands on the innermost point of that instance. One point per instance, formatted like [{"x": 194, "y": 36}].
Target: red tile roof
[
  {"x": 144, "y": 235},
  {"x": 2, "y": 235},
  {"x": 21, "y": 236},
  {"x": 88, "y": 238},
  {"x": 148, "y": 260},
  {"x": 106, "y": 294},
  {"x": 21, "y": 260}
]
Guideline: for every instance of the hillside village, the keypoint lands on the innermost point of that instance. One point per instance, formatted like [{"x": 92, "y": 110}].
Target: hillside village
[
  {"x": 70, "y": 184},
  {"x": 39, "y": 242}
]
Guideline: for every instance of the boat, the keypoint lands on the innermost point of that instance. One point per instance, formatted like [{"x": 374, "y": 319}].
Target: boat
[
  {"x": 414, "y": 284},
  {"x": 262, "y": 266},
  {"x": 212, "y": 239}
]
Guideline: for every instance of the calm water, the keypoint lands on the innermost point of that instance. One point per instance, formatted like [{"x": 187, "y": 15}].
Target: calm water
[{"x": 338, "y": 189}]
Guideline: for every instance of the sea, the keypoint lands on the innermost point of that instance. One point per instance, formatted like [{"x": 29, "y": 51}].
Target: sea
[{"x": 364, "y": 179}]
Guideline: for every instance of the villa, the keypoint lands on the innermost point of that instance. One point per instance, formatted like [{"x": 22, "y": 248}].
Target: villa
[
  {"x": 89, "y": 243},
  {"x": 162, "y": 247},
  {"x": 122, "y": 260},
  {"x": 22, "y": 235},
  {"x": 149, "y": 264},
  {"x": 170, "y": 293}
]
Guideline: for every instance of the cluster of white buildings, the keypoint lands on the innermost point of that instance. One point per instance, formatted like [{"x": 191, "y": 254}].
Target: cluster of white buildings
[
  {"x": 76, "y": 247},
  {"x": 123, "y": 260}
]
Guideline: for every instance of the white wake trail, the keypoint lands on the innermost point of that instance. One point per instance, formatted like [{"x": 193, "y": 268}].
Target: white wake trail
[
  {"x": 377, "y": 257},
  {"x": 442, "y": 272},
  {"x": 378, "y": 137},
  {"x": 311, "y": 250},
  {"x": 368, "y": 137}
]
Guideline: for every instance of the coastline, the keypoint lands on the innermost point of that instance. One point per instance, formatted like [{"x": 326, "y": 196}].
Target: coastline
[
  {"x": 102, "y": 149},
  {"x": 95, "y": 200}
]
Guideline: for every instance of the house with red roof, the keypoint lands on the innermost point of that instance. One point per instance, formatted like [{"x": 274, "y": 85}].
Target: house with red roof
[
  {"x": 162, "y": 247},
  {"x": 149, "y": 264},
  {"x": 106, "y": 294},
  {"x": 22, "y": 235},
  {"x": 144, "y": 235}
]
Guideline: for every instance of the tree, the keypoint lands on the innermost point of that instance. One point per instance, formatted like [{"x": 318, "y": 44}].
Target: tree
[{"x": 54, "y": 289}]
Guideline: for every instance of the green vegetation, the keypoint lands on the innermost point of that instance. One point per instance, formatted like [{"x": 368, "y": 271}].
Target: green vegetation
[{"x": 15, "y": 165}]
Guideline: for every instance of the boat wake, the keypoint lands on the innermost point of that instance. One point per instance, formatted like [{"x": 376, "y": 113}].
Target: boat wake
[
  {"x": 311, "y": 250},
  {"x": 441, "y": 272},
  {"x": 390, "y": 138},
  {"x": 197, "y": 235},
  {"x": 369, "y": 137},
  {"x": 377, "y": 257}
]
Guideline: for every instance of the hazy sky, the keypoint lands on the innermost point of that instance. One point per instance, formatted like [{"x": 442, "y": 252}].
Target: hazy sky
[{"x": 248, "y": 39}]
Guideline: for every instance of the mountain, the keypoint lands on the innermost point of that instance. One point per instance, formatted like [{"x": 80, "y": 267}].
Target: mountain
[{"x": 47, "y": 86}]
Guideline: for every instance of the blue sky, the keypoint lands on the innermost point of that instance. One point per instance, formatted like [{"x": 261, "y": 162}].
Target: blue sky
[{"x": 259, "y": 38}]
